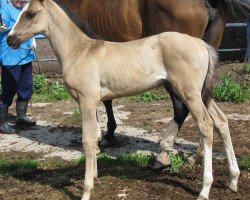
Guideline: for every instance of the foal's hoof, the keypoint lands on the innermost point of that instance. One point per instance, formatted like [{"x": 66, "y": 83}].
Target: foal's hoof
[
  {"x": 233, "y": 187},
  {"x": 202, "y": 198},
  {"x": 161, "y": 163}
]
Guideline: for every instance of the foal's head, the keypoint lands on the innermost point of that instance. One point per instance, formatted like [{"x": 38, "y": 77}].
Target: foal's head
[{"x": 32, "y": 21}]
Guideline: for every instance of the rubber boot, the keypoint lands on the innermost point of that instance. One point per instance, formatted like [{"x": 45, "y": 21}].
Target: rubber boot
[
  {"x": 4, "y": 126},
  {"x": 21, "y": 111}
]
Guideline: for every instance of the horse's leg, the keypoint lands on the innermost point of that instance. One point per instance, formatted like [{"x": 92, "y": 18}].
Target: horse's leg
[
  {"x": 109, "y": 139},
  {"x": 166, "y": 144},
  {"x": 221, "y": 127},
  {"x": 205, "y": 125},
  {"x": 218, "y": 19},
  {"x": 90, "y": 130}
]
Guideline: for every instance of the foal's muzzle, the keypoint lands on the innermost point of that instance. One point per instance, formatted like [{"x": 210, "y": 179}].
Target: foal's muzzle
[{"x": 13, "y": 41}]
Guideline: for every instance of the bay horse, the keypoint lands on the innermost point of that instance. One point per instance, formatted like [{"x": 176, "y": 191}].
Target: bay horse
[
  {"x": 126, "y": 20},
  {"x": 96, "y": 70}
]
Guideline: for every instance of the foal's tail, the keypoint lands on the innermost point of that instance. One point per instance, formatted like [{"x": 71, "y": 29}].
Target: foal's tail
[{"x": 207, "y": 87}]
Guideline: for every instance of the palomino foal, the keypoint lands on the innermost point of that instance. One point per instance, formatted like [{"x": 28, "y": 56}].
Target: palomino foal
[{"x": 95, "y": 70}]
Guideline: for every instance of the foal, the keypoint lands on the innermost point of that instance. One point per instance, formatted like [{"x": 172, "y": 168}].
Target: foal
[{"x": 95, "y": 70}]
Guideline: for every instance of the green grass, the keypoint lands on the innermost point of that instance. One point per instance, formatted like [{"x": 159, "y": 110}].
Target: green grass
[
  {"x": 246, "y": 69},
  {"x": 43, "y": 91},
  {"x": 177, "y": 161},
  {"x": 124, "y": 161},
  {"x": 230, "y": 91},
  {"x": 245, "y": 163},
  {"x": 7, "y": 166},
  {"x": 147, "y": 97}
]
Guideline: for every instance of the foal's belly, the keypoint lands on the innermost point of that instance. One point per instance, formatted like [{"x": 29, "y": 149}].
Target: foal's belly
[{"x": 132, "y": 83}]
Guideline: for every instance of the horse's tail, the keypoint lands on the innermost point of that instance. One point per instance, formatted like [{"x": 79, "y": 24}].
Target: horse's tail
[
  {"x": 240, "y": 7},
  {"x": 207, "y": 87}
]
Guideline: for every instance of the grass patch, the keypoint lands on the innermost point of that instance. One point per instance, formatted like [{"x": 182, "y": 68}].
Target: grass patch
[
  {"x": 246, "y": 69},
  {"x": 245, "y": 163},
  {"x": 7, "y": 166},
  {"x": 124, "y": 161},
  {"x": 231, "y": 91},
  {"x": 104, "y": 160},
  {"x": 147, "y": 97},
  {"x": 177, "y": 161},
  {"x": 43, "y": 91}
]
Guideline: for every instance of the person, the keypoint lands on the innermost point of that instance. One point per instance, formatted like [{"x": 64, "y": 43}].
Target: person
[
  {"x": 2, "y": 2},
  {"x": 16, "y": 65}
]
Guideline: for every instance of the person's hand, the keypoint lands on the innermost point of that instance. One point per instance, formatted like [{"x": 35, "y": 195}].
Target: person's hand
[
  {"x": 33, "y": 43},
  {"x": 3, "y": 28}
]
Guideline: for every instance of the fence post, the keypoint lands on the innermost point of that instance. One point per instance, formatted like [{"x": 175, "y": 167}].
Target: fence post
[{"x": 248, "y": 41}]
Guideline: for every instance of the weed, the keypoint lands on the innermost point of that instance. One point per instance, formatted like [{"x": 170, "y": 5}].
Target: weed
[
  {"x": 43, "y": 91},
  {"x": 246, "y": 69},
  {"x": 7, "y": 166},
  {"x": 40, "y": 84},
  {"x": 229, "y": 90},
  {"x": 58, "y": 92},
  {"x": 147, "y": 97},
  {"x": 245, "y": 163},
  {"x": 125, "y": 161},
  {"x": 177, "y": 161}
]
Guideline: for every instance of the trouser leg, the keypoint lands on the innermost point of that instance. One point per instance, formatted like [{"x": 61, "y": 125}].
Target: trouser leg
[{"x": 24, "y": 94}]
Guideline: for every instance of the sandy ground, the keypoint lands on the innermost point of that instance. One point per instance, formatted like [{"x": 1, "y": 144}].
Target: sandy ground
[{"x": 54, "y": 141}]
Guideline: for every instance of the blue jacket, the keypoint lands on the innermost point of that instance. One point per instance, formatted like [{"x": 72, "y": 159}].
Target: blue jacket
[
  {"x": 8, "y": 56},
  {"x": 2, "y": 2}
]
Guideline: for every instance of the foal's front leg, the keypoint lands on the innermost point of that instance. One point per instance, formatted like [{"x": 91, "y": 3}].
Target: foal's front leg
[{"x": 90, "y": 129}]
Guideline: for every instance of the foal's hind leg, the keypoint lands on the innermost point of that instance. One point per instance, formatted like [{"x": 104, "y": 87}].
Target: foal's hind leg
[
  {"x": 166, "y": 144},
  {"x": 205, "y": 125},
  {"x": 109, "y": 139},
  {"x": 221, "y": 127}
]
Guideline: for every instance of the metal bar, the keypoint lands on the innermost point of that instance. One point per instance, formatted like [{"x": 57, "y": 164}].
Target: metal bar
[
  {"x": 229, "y": 50},
  {"x": 46, "y": 60},
  {"x": 229, "y": 25},
  {"x": 248, "y": 41}
]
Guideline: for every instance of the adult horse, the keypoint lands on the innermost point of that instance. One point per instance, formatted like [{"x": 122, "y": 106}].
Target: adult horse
[
  {"x": 126, "y": 20},
  {"x": 97, "y": 70}
]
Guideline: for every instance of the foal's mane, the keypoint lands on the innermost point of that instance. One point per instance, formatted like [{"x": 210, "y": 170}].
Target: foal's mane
[{"x": 82, "y": 25}]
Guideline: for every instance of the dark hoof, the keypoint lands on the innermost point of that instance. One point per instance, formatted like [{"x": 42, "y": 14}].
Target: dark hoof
[
  {"x": 24, "y": 122},
  {"x": 107, "y": 143}
]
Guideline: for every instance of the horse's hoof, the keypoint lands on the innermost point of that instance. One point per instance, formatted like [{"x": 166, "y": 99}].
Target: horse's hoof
[
  {"x": 233, "y": 187},
  {"x": 160, "y": 165},
  {"x": 107, "y": 143},
  {"x": 202, "y": 198},
  {"x": 104, "y": 143}
]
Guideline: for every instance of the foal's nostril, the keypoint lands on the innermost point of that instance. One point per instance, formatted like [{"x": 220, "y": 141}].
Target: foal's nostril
[{"x": 9, "y": 40}]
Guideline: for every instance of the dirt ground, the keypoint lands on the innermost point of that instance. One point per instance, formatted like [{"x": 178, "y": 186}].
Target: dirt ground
[{"x": 140, "y": 127}]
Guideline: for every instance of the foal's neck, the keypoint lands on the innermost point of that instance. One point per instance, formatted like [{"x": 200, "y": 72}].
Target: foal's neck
[{"x": 65, "y": 37}]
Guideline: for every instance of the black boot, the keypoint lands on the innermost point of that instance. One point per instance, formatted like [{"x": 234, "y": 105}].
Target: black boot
[
  {"x": 21, "y": 110},
  {"x": 4, "y": 126}
]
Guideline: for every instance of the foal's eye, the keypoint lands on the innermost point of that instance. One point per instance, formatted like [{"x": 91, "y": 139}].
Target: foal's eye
[{"x": 30, "y": 15}]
